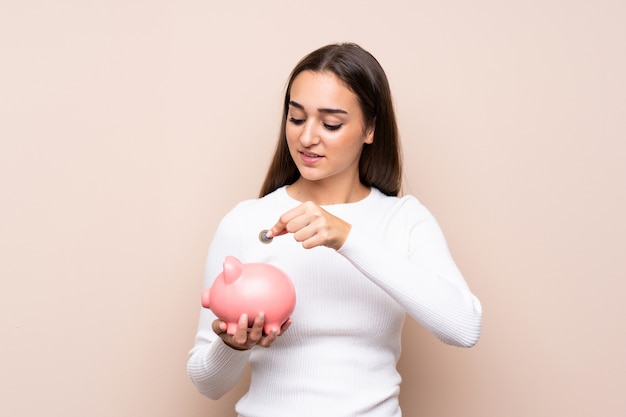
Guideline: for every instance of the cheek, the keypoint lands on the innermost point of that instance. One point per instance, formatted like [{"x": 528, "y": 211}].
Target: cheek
[
  {"x": 292, "y": 142},
  {"x": 289, "y": 134},
  {"x": 349, "y": 141},
  {"x": 292, "y": 132}
]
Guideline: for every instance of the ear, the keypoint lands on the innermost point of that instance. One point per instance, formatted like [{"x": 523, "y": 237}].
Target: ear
[
  {"x": 232, "y": 269},
  {"x": 369, "y": 133}
]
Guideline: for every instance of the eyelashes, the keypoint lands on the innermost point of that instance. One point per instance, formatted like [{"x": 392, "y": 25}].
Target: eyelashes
[
  {"x": 297, "y": 122},
  {"x": 300, "y": 122}
]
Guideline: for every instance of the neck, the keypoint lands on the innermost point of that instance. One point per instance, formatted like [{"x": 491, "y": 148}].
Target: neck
[{"x": 325, "y": 194}]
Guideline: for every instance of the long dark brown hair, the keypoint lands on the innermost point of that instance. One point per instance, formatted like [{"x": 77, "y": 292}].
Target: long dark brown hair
[{"x": 380, "y": 165}]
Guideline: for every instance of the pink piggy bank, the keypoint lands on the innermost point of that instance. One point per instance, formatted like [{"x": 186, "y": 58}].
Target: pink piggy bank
[{"x": 250, "y": 288}]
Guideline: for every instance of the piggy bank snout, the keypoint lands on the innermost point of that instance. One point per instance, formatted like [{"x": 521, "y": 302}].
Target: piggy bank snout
[{"x": 206, "y": 298}]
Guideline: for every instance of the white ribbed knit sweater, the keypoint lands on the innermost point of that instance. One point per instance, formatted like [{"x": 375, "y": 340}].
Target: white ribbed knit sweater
[{"x": 339, "y": 356}]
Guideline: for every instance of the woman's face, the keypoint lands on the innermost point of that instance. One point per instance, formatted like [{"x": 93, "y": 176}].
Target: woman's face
[{"x": 325, "y": 129}]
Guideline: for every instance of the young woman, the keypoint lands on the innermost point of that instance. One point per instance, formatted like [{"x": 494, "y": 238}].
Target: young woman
[{"x": 360, "y": 256}]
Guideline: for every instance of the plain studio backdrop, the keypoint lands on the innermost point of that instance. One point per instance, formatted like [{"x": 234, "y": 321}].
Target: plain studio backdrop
[{"x": 129, "y": 128}]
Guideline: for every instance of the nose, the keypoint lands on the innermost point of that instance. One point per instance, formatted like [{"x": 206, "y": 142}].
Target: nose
[{"x": 309, "y": 135}]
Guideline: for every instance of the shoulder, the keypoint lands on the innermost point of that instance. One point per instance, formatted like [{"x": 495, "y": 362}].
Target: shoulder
[
  {"x": 403, "y": 206},
  {"x": 264, "y": 209},
  {"x": 267, "y": 202}
]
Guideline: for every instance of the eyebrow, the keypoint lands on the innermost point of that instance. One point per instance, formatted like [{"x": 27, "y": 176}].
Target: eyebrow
[{"x": 322, "y": 110}]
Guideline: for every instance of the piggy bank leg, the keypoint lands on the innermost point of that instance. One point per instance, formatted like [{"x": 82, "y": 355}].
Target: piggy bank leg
[
  {"x": 231, "y": 328},
  {"x": 271, "y": 327}
]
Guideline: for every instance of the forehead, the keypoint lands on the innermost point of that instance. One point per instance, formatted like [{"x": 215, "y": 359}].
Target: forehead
[{"x": 322, "y": 90}]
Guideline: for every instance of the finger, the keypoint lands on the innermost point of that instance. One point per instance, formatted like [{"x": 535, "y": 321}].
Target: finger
[
  {"x": 324, "y": 230},
  {"x": 256, "y": 332},
  {"x": 280, "y": 228},
  {"x": 304, "y": 233},
  {"x": 241, "y": 334},
  {"x": 269, "y": 339},
  {"x": 285, "y": 325},
  {"x": 218, "y": 327}
]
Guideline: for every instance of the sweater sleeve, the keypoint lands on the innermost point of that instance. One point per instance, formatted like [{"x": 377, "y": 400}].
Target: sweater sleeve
[
  {"x": 412, "y": 263},
  {"x": 212, "y": 366},
  {"x": 215, "y": 368}
]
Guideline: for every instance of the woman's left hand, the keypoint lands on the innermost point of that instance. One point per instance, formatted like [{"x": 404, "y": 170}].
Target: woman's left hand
[{"x": 312, "y": 226}]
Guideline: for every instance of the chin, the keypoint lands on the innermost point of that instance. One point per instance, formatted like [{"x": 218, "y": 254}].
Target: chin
[{"x": 306, "y": 174}]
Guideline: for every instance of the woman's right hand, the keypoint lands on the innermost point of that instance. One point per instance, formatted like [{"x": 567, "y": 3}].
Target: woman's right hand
[{"x": 244, "y": 338}]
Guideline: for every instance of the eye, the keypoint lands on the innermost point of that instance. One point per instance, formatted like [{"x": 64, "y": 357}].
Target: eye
[
  {"x": 295, "y": 121},
  {"x": 332, "y": 127}
]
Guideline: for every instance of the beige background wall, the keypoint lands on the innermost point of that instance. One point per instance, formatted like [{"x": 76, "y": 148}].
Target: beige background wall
[{"x": 128, "y": 128}]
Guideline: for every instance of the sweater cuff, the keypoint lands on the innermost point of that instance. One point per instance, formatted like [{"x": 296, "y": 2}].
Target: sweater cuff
[
  {"x": 354, "y": 237},
  {"x": 223, "y": 352}
]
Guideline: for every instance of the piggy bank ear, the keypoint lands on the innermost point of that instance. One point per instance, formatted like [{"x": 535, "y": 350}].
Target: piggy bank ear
[{"x": 232, "y": 269}]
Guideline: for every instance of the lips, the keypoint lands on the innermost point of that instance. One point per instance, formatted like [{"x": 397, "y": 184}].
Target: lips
[{"x": 309, "y": 157}]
